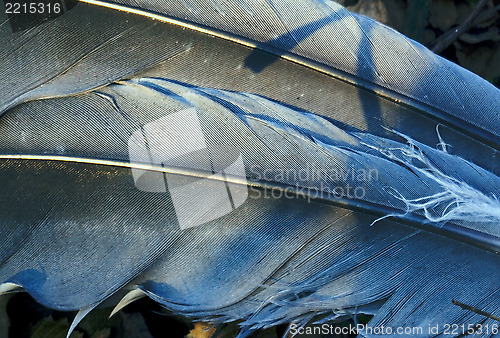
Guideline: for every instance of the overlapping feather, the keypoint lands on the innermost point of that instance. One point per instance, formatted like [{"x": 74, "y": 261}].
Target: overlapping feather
[{"x": 78, "y": 230}]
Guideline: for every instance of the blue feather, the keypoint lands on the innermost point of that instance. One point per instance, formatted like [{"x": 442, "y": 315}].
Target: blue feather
[{"x": 279, "y": 165}]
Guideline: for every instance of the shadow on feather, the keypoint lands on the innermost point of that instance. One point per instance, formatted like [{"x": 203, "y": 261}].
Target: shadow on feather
[{"x": 78, "y": 228}]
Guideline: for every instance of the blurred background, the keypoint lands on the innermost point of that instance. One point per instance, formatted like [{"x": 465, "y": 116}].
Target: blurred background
[
  {"x": 433, "y": 23},
  {"x": 466, "y": 32}
]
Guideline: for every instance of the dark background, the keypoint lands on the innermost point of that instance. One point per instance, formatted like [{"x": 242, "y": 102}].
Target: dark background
[{"x": 427, "y": 21}]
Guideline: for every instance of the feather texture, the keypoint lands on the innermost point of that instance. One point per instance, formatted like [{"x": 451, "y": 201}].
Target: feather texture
[
  {"x": 326, "y": 33},
  {"x": 83, "y": 49},
  {"x": 307, "y": 252},
  {"x": 324, "y": 36},
  {"x": 342, "y": 203}
]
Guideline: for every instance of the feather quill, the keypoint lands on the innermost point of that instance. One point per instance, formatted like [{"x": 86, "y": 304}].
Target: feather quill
[
  {"x": 85, "y": 48},
  {"x": 79, "y": 227},
  {"x": 323, "y": 36},
  {"x": 277, "y": 259}
]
